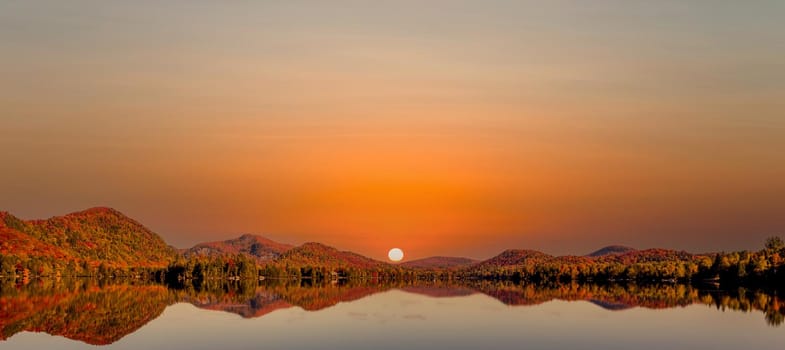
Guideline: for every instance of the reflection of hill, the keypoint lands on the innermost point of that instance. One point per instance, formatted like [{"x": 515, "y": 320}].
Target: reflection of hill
[
  {"x": 254, "y": 301},
  {"x": 96, "y": 314},
  {"x": 321, "y": 296},
  {"x": 620, "y": 297},
  {"x": 250, "y": 301},
  {"x": 609, "y": 305},
  {"x": 614, "y": 296},
  {"x": 92, "y": 314},
  {"x": 259, "y": 304},
  {"x": 440, "y": 291},
  {"x": 510, "y": 294},
  {"x": 257, "y": 307},
  {"x": 317, "y": 298}
]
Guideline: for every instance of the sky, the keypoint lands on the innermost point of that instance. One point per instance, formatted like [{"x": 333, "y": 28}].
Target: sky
[{"x": 456, "y": 128}]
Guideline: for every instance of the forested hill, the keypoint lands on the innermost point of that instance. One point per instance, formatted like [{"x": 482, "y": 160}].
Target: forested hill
[
  {"x": 85, "y": 240},
  {"x": 104, "y": 242},
  {"x": 259, "y": 248},
  {"x": 317, "y": 254},
  {"x": 611, "y": 250},
  {"x": 440, "y": 262}
]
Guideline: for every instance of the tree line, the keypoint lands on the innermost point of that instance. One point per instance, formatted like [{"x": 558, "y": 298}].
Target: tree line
[{"x": 763, "y": 267}]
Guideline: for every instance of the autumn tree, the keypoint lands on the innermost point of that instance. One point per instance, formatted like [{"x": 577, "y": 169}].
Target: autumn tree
[{"x": 774, "y": 243}]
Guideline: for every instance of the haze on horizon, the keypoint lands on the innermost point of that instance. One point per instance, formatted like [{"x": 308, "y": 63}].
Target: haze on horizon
[{"x": 442, "y": 127}]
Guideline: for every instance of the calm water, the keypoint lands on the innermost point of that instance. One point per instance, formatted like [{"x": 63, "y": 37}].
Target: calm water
[{"x": 83, "y": 314}]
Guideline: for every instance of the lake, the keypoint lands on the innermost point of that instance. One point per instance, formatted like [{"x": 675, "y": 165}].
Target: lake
[{"x": 370, "y": 315}]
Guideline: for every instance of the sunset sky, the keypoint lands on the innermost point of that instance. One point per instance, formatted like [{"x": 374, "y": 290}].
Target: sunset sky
[{"x": 440, "y": 127}]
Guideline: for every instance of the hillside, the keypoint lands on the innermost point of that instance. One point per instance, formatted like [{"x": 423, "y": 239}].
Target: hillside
[
  {"x": 515, "y": 257},
  {"x": 13, "y": 242},
  {"x": 611, "y": 250},
  {"x": 92, "y": 237},
  {"x": 104, "y": 242},
  {"x": 317, "y": 254},
  {"x": 261, "y": 249},
  {"x": 439, "y": 262},
  {"x": 648, "y": 255}
]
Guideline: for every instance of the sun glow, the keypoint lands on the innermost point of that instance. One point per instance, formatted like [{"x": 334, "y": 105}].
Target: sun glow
[{"x": 395, "y": 254}]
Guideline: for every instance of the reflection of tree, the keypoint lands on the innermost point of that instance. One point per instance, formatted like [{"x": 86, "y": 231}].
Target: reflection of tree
[
  {"x": 654, "y": 297},
  {"x": 239, "y": 297},
  {"x": 619, "y": 297},
  {"x": 746, "y": 300},
  {"x": 250, "y": 300},
  {"x": 313, "y": 298},
  {"x": 101, "y": 314},
  {"x": 81, "y": 310}
]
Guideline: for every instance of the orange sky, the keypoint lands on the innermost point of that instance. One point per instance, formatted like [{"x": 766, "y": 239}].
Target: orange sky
[{"x": 453, "y": 128}]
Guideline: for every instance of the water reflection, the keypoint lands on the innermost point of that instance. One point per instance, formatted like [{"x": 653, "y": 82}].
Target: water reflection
[
  {"x": 82, "y": 310},
  {"x": 101, "y": 313}
]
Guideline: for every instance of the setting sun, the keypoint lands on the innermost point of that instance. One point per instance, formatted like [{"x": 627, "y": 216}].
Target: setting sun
[
  {"x": 395, "y": 254},
  {"x": 564, "y": 174}
]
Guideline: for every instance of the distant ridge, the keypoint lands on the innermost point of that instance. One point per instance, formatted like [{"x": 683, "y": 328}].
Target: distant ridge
[
  {"x": 103, "y": 242},
  {"x": 649, "y": 255},
  {"x": 611, "y": 250},
  {"x": 257, "y": 247},
  {"x": 440, "y": 262},
  {"x": 511, "y": 258},
  {"x": 318, "y": 254}
]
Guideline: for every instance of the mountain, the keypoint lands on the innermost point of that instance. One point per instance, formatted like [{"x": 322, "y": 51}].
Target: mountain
[
  {"x": 627, "y": 255},
  {"x": 611, "y": 250},
  {"x": 515, "y": 257},
  {"x": 317, "y": 254},
  {"x": 93, "y": 236},
  {"x": 14, "y": 242},
  {"x": 649, "y": 255},
  {"x": 439, "y": 262},
  {"x": 258, "y": 247}
]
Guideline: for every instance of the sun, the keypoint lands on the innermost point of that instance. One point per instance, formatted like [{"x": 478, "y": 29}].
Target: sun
[{"x": 395, "y": 254}]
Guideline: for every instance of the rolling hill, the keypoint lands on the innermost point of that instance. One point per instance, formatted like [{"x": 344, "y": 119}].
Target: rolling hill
[
  {"x": 515, "y": 257},
  {"x": 93, "y": 236},
  {"x": 649, "y": 255},
  {"x": 13, "y": 242},
  {"x": 611, "y": 250},
  {"x": 439, "y": 262},
  {"x": 317, "y": 254},
  {"x": 104, "y": 242},
  {"x": 261, "y": 249}
]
